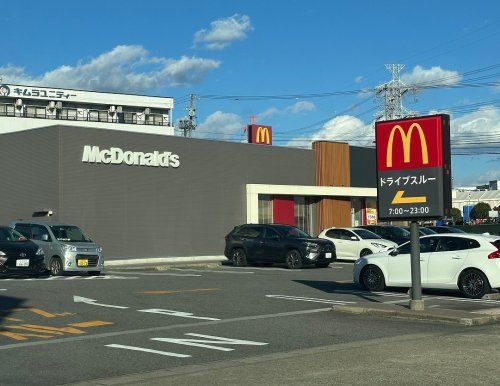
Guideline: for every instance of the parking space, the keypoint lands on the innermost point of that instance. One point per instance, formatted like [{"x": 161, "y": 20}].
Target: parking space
[{"x": 138, "y": 320}]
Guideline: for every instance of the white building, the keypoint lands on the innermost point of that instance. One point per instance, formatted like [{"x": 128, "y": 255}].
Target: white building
[
  {"x": 465, "y": 198},
  {"x": 28, "y": 107}
]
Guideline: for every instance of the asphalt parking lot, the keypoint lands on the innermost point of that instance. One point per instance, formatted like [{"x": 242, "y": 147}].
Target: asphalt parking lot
[{"x": 80, "y": 328}]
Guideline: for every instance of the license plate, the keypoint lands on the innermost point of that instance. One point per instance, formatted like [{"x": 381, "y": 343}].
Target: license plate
[
  {"x": 83, "y": 263},
  {"x": 328, "y": 255},
  {"x": 22, "y": 263}
]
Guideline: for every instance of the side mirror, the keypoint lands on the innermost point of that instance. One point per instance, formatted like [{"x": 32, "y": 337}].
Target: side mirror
[
  {"x": 394, "y": 252},
  {"x": 45, "y": 237},
  {"x": 354, "y": 238}
]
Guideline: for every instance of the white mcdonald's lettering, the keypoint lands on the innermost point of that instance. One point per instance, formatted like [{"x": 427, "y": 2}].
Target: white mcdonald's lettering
[
  {"x": 262, "y": 135},
  {"x": 406, "y": 140}
]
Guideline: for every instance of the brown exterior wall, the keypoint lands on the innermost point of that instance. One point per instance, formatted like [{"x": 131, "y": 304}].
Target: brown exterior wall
[{"x": 333, "y": 169}]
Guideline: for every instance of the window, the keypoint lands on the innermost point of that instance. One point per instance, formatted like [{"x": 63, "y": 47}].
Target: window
[
  {"x": 265, "y": 209},
  {"x": 103, "y": 116},
  {"x": 345, "y": 234},
  {"x": 93, "y": 115},
  {"x": 24, "y": 229},
  {"x": 447, "y": 244},
  {"x": 366, "y": 234},
  {"x": 271, "y": 234},
  {"x": 333, "y": 233},
  {"x": 69, "y": 233},
  {"x": 7, "y": 234},
  {"x": 38, "y": 232},
  {"x": 68, "y": 114},
  {"x": 427, "y": 245},
  {"x": 129, "y": 118}
]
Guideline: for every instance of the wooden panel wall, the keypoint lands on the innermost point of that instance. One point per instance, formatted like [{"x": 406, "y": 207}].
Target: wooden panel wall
[
  {"x": 332, "y": 164},
  {"x": 333, "y": 169}
]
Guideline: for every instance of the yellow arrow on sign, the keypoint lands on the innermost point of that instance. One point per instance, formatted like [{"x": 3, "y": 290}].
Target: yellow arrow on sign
[{"x": 399, "y": 199}]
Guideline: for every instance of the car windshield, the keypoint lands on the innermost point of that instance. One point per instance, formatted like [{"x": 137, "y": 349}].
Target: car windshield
[
  {"x": 365, "y": 234},
  {"x": 8, "y": 234},
  {"x": 455, "y": 230},
  {"x": 427, "y": 231},
  {"x": 291, "y": 232},
  {"x": 69, "y": 233},
  {"x": 400, "y": 232}
]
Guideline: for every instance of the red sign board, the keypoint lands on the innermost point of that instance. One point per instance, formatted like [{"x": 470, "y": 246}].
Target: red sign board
[
  {"x": 410, "y": 144},
  {"x": 260, "y": 134},
  {"x": 413, "y": 168}
]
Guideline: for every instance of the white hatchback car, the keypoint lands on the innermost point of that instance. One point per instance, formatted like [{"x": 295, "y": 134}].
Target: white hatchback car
[
  {"x": 352, "y": 243},
  {"x": 470, "y": 263}
]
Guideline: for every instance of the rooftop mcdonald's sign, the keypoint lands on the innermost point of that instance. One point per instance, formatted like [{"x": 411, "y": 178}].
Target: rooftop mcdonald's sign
[
  {"x": 260, "y": 134},
  {"x": 413, "y": 168}
]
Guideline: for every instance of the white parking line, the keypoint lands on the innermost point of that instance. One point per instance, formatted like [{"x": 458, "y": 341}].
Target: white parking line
[
  {"x": 155, "y": 274},
  {"x": 105, "y": 277},
  {"x": 267, "y": 269},
  {"x": 208, "y": 270},
  {"x": 148, "y": 350},
  {"x": 488, "y": 311},
  {"x": 313, "y": 300}
]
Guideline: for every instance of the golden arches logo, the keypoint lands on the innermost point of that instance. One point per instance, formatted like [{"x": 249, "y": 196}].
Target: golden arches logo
[
  {"x": 262, "y": 135},
  {"x": 406, "y": 140}
]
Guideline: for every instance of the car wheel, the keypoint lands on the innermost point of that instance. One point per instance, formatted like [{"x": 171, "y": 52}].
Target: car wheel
[
  {"x": 56, "y": 267},
  {"x": 473, "y": 284},
  {"x": 372, "y": 278},
  {"x": 94, "y": 273},
  {"x": 365, "y": 252},
  {"x": 239, "y": 257},
  {"x": 322, "y": 264},
  {"x": 293, "y": 259}
]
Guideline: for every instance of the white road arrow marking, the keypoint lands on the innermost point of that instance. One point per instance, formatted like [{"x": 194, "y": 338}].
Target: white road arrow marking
[
  {"x": 80, "y": 299},
  {"x": 176, "y": 313}
]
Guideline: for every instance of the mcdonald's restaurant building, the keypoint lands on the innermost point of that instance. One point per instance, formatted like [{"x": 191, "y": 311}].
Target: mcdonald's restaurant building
[{"x": 145, "y": 195}]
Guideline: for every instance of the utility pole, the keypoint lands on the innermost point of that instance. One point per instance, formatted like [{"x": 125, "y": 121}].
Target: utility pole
[
  {"x": 188, "y": 123},
  {"x": 392, "y": 94}
]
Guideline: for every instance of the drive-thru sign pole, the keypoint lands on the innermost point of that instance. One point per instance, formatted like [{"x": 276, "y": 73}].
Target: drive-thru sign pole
[
  {"x": 416, "y": 302},
  {"x": 413, "y": 180}
]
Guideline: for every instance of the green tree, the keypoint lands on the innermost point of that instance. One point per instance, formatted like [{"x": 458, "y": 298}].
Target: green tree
[
  {"x": 480, "y": 211},
  {"x": 456, "y": 215}
]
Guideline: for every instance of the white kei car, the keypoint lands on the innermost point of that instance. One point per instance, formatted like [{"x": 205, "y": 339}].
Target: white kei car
[
  {"x": 468, "y": 262},
  {"x": 352, "y": 243}
]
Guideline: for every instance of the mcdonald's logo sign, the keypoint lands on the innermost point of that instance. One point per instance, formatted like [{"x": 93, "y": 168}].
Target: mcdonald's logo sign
[
  {"x": 413, "y": 168},
  {"x": 409, "y": 144},
  {"x": 260, "y": 134}
]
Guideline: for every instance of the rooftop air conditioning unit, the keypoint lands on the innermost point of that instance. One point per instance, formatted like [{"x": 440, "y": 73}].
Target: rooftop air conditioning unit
[
  {"x": 147, "y": 111},
  {"x": 119, "y": 109},
  {"x": 19, "y": 103},
  {"x": 52, "y": 105},
  {"x": 112, "y": 110},
  {"x": 59, "y": 105}
]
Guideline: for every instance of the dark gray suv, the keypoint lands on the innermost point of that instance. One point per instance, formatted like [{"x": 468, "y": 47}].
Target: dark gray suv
[{"x": 275, "y": 243}]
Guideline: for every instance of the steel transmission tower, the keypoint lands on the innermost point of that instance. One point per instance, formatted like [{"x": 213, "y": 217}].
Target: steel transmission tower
[
  {"x": 392, "y": 93},
  {"x": 188, "y": 124}
]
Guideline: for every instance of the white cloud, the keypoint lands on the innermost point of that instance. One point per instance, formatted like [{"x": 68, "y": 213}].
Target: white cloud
[
  {"x": 269, "y": 112},
  {"x": 344, "y": 128},
  {"x": 358, "y": 79},
  {"x": 296, "y": 108},
  {"x": 121, "y": 70},
  {"x": 300, "y": 107},
  {"x": 223, "y": 32},
  {"x": 434, "y": 75},
  {"x": 220, "y": 125}
]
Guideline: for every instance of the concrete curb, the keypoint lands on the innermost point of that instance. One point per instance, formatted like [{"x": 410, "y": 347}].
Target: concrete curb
[
  {"x": 431, "y": 315},
  {"x": 153, "y": 261}
]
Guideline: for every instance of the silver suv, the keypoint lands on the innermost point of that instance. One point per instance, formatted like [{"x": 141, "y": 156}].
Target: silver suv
[{"x": 66, "y": 247}]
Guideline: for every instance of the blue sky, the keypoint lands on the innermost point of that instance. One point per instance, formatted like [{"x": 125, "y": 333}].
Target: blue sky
[{"x": 291, "y": 54}]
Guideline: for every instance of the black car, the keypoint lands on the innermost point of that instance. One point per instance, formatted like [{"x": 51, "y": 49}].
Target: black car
[
  {"x": 445, "y": 229},
  {"x": 18, "y": 254},
  {"x": 389, "y": 232},
  {"x": 275, "y": 243},
  {"x": 423, "y": 231}
]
